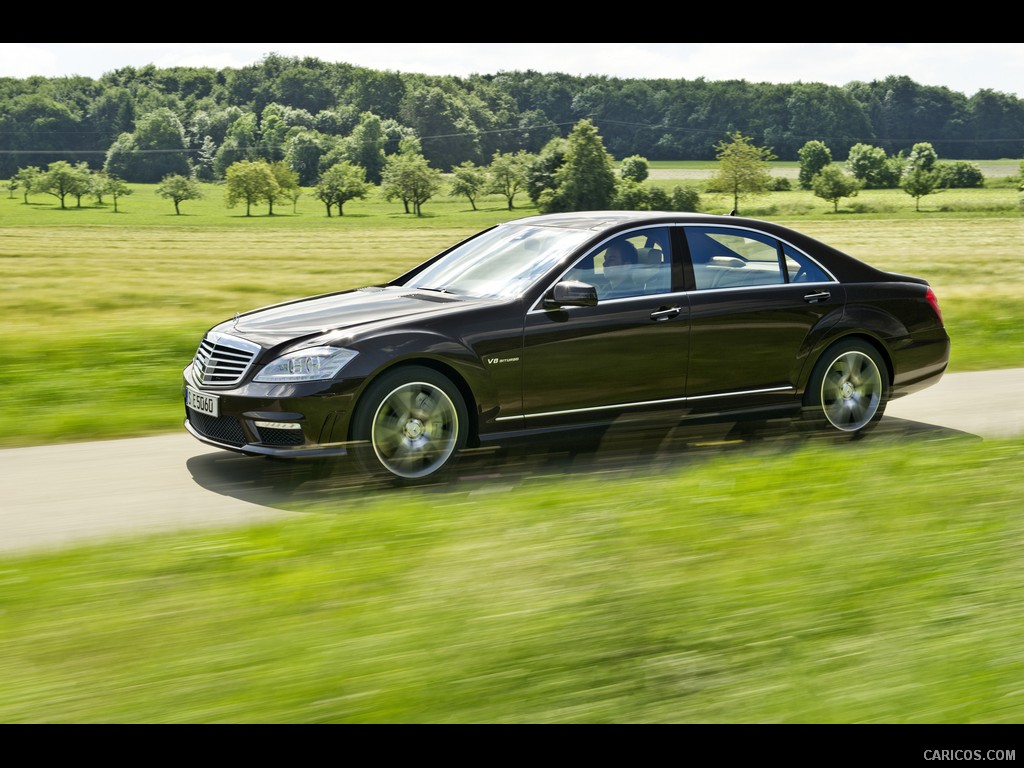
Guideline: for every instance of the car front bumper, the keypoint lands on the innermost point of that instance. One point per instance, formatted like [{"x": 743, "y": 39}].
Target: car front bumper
[{"x": 294, "y": 420}]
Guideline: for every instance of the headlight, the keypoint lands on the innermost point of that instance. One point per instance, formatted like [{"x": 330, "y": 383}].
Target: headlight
[{"x": 312, "y": 364}]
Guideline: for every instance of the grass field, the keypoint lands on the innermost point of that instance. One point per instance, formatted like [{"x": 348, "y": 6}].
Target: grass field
[
  {"x": 112, "y": 305},
  {"x": 872, "y": 583},
  {"x": 790, "y": 582}
]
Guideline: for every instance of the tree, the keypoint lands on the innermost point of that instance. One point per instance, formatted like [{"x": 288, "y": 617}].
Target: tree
[
  {"x": 240, "y": 143},
  {"x": 156, "y": 149},
  {"x": 340, "y": 183},
  {"x": 203, "y": 164},
  {"x": 540, "y": 172},
  {"x": 87, "y": 184},
  {"x": 469, "y": 181},
  {"x": 104, "y": 184},
  {"x": 814, "y": 157},
  {"x": 919, "y": 183},
  {"x": 922, "y": 157},
  {"x": 868, "y": 165},
  {"x": 38, "y": 124},
  {"x": 178, "y": 189},
  {"x": 832, "y": 184},
  {"x": 117, "y": 188},
  {"x": 11, "y": 184},
  {"x": 28, "y": 177},
  {"x": 249, "y": 181},
  {"x": 62, "y": 179},
  {"x": 364, "y": 147},
  {"x": 303, "y": 153},
  {"x": 507, "y": 174},
  {"x": 287, "y": 181},
  {"x": 742, "y": 168},
  {"x": 444, "y": 117},
  {"x": 98, "y": 185},
  {"x": 586, "y": 180},
  {"x": 272, "y": 134},
  {"x": 634, "y": 168},
  {"x": 408, "y": 177}
]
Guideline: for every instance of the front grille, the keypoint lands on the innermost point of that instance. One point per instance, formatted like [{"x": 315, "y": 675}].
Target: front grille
[
  {"x": 223, "y": 430},
  {"x": 223, "y": 360}
]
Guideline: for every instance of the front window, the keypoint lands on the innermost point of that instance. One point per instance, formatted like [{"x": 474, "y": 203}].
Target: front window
[
  {"x": 636, "y": 263},
  {"x": 500, "y": 263}
]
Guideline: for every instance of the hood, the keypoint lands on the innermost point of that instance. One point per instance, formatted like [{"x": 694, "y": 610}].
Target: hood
[{"x": 337, "y": 311}]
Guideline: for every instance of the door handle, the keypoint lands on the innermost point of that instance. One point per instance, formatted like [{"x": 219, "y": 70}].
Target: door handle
[
  {"x": 665, "y": 313},
  {"x": 814, "y": 298}
]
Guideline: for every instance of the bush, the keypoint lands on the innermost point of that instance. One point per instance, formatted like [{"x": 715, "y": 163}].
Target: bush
[
  {"x": 959, "y": 174},
  {"x": 658, "y": 199},
  {"x": 685, "y": 199},
  {"x": 630, "y": 196},
  {"x": 634, "y": 168}
]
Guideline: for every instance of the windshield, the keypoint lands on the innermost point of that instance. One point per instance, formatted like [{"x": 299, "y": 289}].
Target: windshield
[{"x": 501, "y": 263}]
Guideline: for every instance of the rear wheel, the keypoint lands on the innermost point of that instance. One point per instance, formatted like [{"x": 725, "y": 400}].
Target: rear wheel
[
  {"x": 848, "y": 390},
  {"x": 411, "y": 425}
]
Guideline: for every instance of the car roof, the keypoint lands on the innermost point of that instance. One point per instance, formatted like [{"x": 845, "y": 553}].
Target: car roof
[{"x": 604, "y": 220}]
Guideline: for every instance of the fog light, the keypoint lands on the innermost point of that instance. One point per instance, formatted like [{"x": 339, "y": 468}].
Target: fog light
[{"x": 276, "y": 425}]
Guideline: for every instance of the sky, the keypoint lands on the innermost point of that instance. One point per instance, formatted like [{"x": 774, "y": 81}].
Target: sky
[{"x": 963, "y": 67}]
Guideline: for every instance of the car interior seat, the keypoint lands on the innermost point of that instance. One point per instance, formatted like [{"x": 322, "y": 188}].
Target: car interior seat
[{"x": 651, "y": 271}]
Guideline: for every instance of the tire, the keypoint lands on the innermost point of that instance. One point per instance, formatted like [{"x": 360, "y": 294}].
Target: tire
[
  {"x": 848, "y": 390},
  {"x": 410, "y": 426}
]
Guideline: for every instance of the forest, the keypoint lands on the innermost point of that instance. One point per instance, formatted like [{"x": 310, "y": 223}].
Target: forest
[{"x": 142, "y": 124}]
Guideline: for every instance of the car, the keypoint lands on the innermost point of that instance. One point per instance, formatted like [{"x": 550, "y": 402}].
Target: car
[{"x": 554, "y": 324}]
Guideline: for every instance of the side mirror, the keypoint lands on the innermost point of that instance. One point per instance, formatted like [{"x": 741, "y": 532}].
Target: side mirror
[{"x": 571, "y": 293}]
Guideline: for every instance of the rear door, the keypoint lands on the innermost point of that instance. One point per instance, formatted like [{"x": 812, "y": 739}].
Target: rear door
[{"x": 755, "y": 304}]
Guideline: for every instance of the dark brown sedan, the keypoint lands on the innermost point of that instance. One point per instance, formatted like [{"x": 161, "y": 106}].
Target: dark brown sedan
[{"x": 563, "y": 322}]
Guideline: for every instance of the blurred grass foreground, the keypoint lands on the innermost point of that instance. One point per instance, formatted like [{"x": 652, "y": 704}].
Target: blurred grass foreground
[{"x": 865, "y": 583}]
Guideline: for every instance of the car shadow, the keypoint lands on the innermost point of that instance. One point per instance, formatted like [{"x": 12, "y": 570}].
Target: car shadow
[{"x": 630, "y": 448}]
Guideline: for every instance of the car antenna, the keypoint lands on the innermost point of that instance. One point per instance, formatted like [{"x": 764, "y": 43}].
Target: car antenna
[{"x": 734, "y": 212}]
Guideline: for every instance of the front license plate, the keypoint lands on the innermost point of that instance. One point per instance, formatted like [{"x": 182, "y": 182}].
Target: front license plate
[{"x": 202, "y": 402}]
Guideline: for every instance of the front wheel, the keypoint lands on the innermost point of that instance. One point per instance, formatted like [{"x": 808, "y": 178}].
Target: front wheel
[
  {"x": 848, "y": 390},
  {"x": 410, "y": 425}
]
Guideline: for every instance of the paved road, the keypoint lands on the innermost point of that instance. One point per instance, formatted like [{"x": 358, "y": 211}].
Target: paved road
[{"x": 55, "y": 496}]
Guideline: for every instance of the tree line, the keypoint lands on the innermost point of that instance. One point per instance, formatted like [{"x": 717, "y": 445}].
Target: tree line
[
  {"x": 143, "y": 124},
  {"x": 571, "y": 174}
]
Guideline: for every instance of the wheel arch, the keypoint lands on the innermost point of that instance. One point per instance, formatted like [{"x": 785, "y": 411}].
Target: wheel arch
[
  {"x": 452, "y": 373},
  {"x": 856, "y": 395},
  {"x": 850, "y": 335}
]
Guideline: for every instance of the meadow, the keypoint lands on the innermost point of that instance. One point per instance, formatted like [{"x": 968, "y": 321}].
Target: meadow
[
  {"x": 111, "y": 306},
  {"x": 789, "y": 581},
  {"x": 875, "y": 582}
]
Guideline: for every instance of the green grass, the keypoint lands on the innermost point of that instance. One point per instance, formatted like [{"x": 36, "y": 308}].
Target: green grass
[{"x": 870, "y": 583}]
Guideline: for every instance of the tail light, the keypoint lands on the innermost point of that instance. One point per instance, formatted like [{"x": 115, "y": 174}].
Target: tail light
[{"x": 933, "y": 300}]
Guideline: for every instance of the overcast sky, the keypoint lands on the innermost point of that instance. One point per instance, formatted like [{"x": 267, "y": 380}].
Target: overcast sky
[{"x": 963, "y": 67}]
